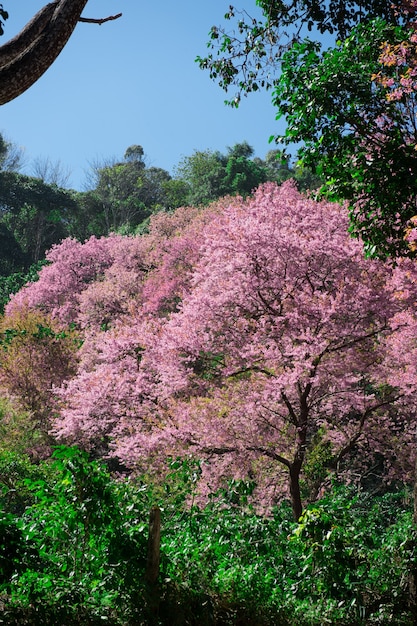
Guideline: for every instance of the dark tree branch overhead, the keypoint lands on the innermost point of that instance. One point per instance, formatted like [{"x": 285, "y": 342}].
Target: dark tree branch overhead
[{"x": 27, "y": 56}]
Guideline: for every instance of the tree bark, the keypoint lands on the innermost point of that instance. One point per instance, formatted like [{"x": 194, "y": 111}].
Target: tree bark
[
  {"x": 154, "y": 541},
  {"x": 26, "y": 57}
]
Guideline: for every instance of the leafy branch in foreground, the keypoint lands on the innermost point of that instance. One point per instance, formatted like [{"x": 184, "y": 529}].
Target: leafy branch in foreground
[{"x": 248, "y": 55}]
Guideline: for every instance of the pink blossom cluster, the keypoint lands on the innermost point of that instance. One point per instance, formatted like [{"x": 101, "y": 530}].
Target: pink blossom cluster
[{"x": 72, "y": 267}]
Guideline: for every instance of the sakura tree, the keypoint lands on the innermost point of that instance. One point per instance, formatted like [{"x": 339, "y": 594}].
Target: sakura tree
[
  {"x": 92, "y": 284},
  {"x": 401, "y": 346},
  {"x": 146, "y": 280},
  {"x": 269, "y": 360},
  {"x": 71, "y": 267}
]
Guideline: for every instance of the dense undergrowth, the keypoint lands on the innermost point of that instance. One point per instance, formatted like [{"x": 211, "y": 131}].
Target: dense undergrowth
[{"x": 73, "y": 547}]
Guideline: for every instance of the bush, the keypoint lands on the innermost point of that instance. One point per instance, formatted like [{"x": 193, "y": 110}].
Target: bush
[
  {"x": 73, "y": 547},
  {"x": 84, "y": 543},
  {"x": 345, "y": 562}
]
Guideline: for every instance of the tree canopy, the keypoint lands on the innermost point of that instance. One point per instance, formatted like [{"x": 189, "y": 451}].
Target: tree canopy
[{"x": 360, "y": 143}]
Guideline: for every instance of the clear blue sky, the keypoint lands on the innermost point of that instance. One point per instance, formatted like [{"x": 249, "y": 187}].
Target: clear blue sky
[{"x": 132, "y": 81}]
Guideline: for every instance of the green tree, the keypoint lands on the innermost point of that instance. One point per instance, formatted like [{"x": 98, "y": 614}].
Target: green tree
[
  {"x": 358, "y": 141},
  {"x": 240, "y": 150},
  {"x": 278, "y": 168},
  {"x": 176, "y": 192},
  {"x": 90, "y": 218},
  {"x": 211, "y": 175},
  {"x": 204, "y": 173},
  {"x": 243, "y": 175},
  {"x": 12, "y": 257},
  {"x": 37, "y": 214},
  {"x": 153, "y": 187},
  {"x": 356, "y": 130},
  {"x": 124, "y": 193}
]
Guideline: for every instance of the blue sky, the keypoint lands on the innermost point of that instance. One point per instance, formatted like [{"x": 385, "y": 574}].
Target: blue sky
[{"x": 132, "y": 81}]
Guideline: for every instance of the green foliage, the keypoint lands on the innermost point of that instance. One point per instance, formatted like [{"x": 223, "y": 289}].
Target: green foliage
[
  {"x": 17, "y": 472},
  {"x": 73, "y": 543},
  {"x": 176, "y": 192},
  {"x": 204, "y": 173},
  {"x": 122, "y": 196},
  {"x": 248, "y": 54},
  {"x": 346, "y": 559},
  {"x": 206, "y": 176},
  {"x": 11, "y": 254},
  {"x": 84, "y": 542},
  {"x": 10, "y": 543},
  {"x": 350, "y": 135},
  {"x": 12, "y": 283},
  {"x": 243, "y": 175},
  {"x": 3, "y": 16},
  {"x": 35, "y": 213}
]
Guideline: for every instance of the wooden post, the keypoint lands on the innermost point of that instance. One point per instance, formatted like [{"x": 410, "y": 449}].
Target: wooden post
[
  {"x": 154, "y": 544},
  {"x": 412, "y": 588}
]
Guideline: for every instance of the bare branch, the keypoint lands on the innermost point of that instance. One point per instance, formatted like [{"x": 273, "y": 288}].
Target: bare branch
[{"x": 90, "y": 20}]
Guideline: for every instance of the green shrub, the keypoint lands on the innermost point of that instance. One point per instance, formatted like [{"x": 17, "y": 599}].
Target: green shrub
[
  {"x": 73, "y": 546},
  {"x": 346, "y": 562}
]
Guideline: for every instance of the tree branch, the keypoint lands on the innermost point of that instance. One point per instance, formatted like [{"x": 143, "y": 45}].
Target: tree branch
[
  {"x": 37, "y": 46},
  {"x": 10, "y": 50},
  {"x": 350, "y": 444},
  {"x": 270, "y": 454},
  {"x": 27, "y": 56}
]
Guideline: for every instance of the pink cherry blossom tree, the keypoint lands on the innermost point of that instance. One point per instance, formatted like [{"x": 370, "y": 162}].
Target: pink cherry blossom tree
[
  {"x": 271, "y": 355},
  {"x": 72, "y": 267},
  {"x": 278, "y": 340},
  {"x": 94, "y": 283}
]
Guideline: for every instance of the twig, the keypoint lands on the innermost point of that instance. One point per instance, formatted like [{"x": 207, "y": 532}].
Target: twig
[{"x": 101, "y": 21}]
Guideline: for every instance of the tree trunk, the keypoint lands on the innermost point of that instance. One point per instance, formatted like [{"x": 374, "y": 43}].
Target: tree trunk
[
  {"x": 154, "y": 540},
  {"x": 297, "y": 507}
]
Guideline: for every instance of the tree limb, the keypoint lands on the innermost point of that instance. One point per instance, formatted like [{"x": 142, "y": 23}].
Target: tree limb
[
  {"x": 27, "y": 56},
  {"x": 33, "y": 29}
]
